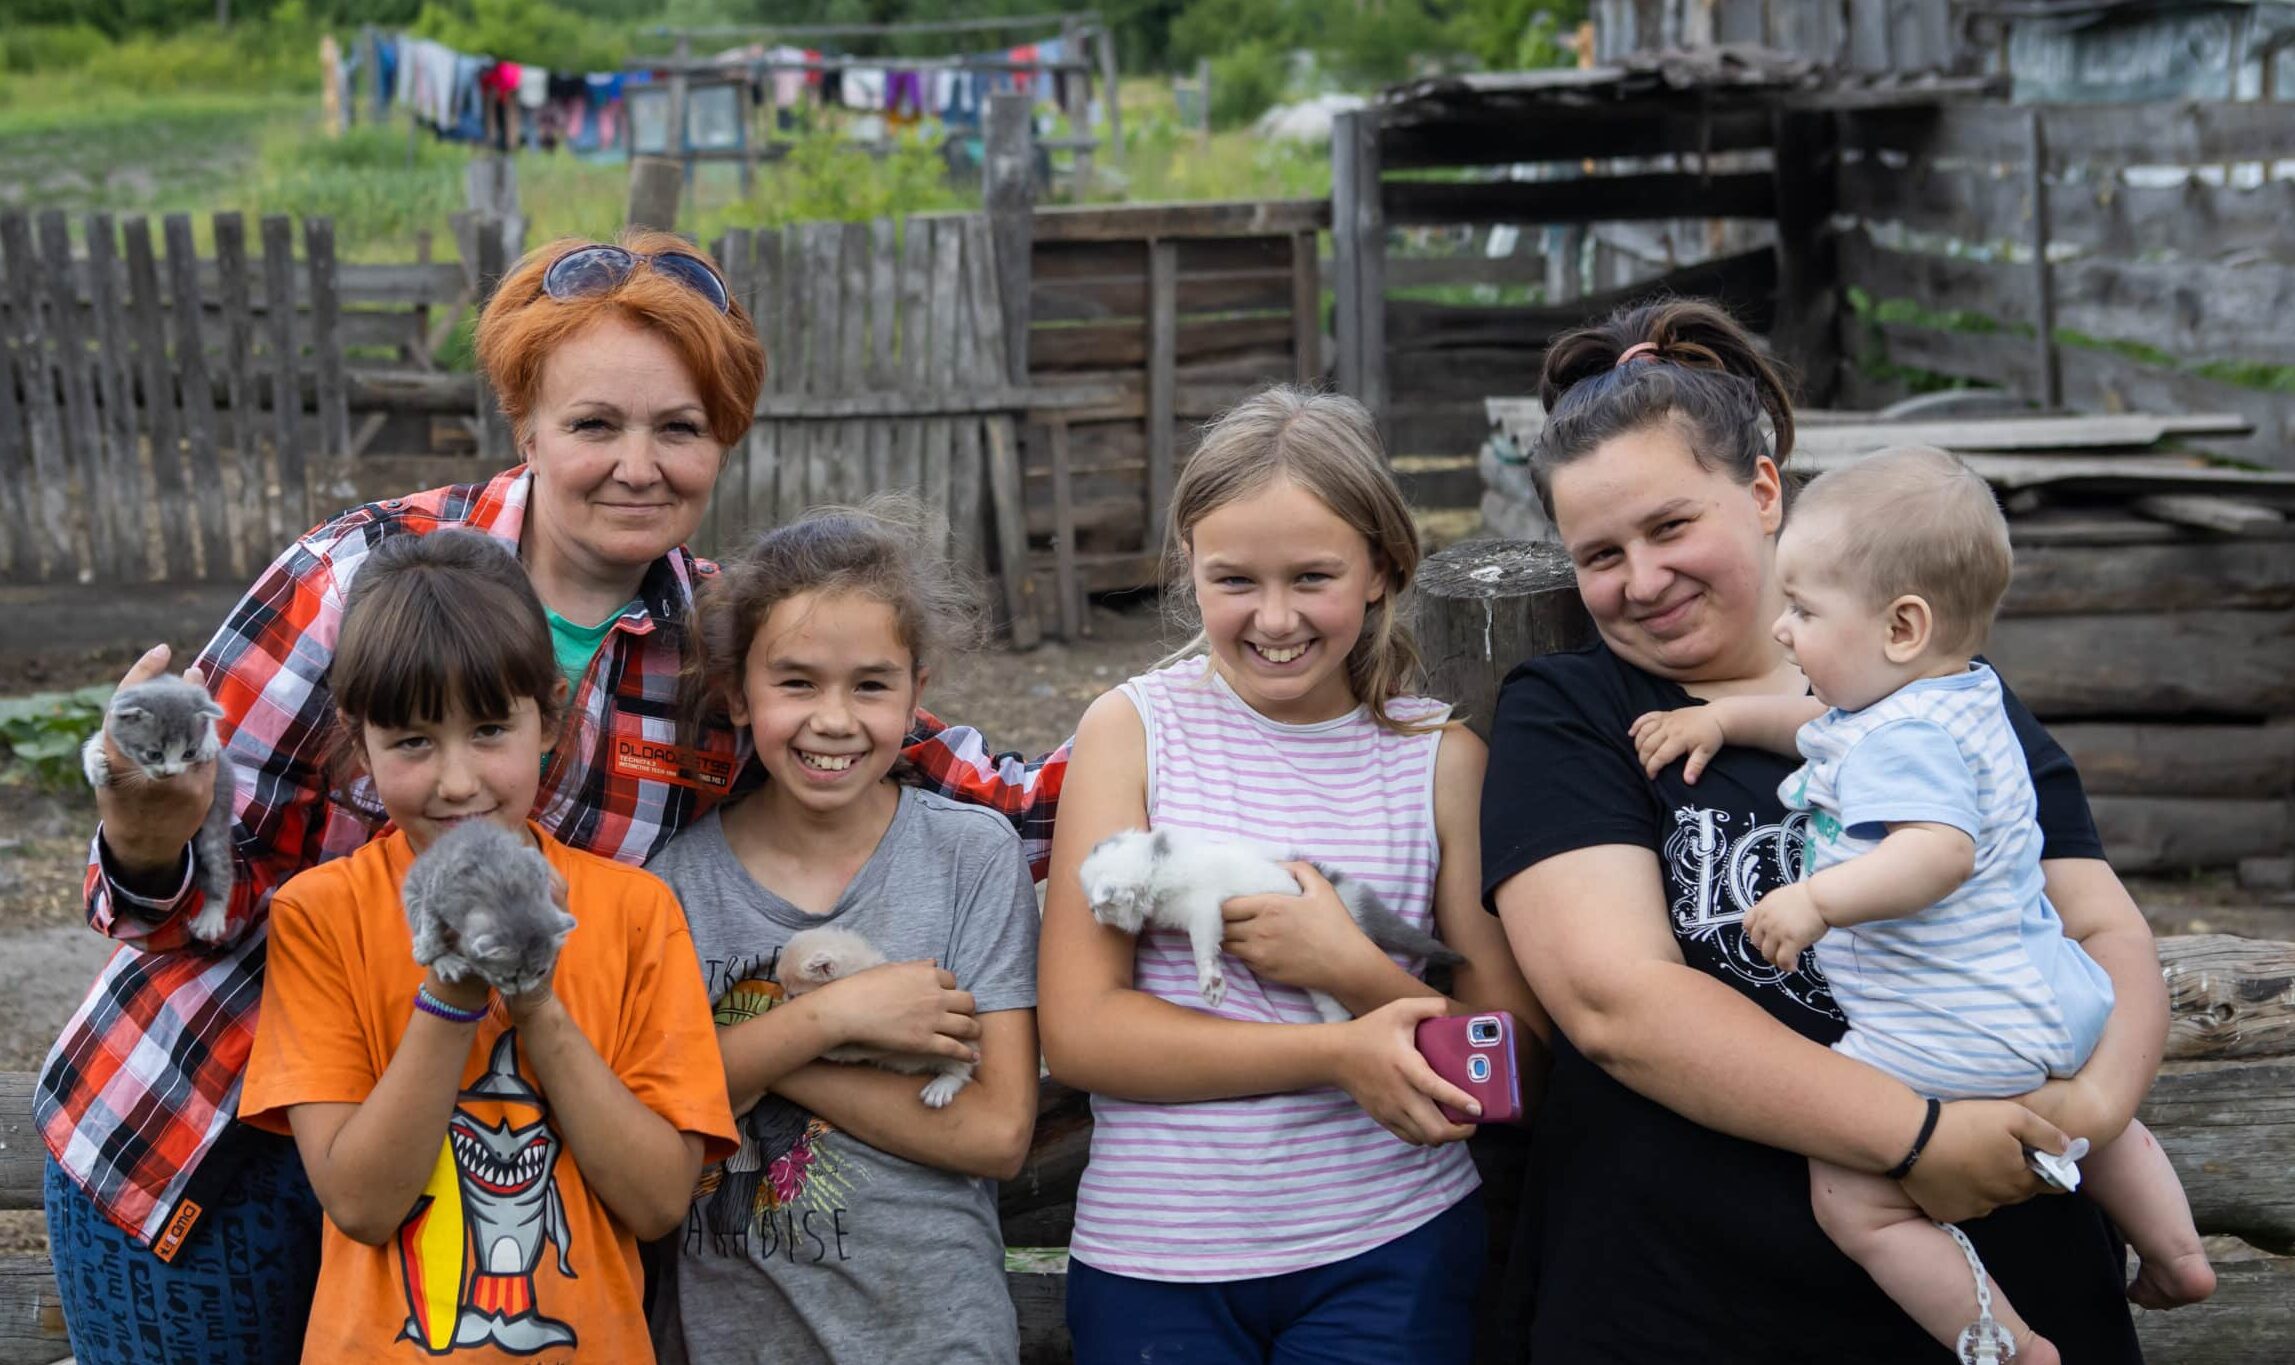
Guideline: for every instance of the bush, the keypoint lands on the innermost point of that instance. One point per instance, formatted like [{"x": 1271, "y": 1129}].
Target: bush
[
  {"x": 43, "y": 732},
  {"x": 524, "y": 31},
  {"x": 1246, "y": 82},
  {"x": 50, "y": 47}
]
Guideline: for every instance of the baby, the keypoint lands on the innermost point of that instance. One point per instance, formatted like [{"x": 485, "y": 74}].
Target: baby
[{"x": 1920, "y": 884}]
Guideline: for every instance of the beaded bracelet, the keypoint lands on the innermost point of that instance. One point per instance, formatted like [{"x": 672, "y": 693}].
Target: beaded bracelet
[
  {"x": 432, "y": 1005},
  {"x": 1927, "y": 1130}
]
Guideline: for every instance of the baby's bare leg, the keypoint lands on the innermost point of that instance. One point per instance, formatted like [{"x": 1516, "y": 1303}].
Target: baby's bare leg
[
  {"x": 2133, "y": 1182},
  {"x": 1915, "y": 1262}
]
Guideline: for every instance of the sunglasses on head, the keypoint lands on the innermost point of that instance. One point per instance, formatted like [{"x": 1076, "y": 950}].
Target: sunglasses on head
[{"x": 596, "y": 269}]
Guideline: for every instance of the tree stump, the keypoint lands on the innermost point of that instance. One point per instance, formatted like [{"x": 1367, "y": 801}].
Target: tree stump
[{"x": 1485, "y": 606}]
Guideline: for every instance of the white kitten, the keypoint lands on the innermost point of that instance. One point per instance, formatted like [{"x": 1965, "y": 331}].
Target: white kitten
[
  {"x": 813, "y": 958},
  {"x": 1177, "y": 879}
]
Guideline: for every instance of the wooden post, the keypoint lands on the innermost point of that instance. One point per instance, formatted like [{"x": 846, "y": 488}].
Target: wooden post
[
  {"x": 676, "y": 143},
  {"x": 1803, "y": 173},
  {"x": 185, "y": 307},
  {"x": 1485, "y": 606},
  {"x": 1306, "y": 310},
  {"x": 1109, "y": 79},
  {"x": 1076, "y": 102},
  {"x": 2043, "y": 279},
  {"x": 331, "y": 85},
  {"x": 655, "y": 182},
  {"x": 1162, "y": 380},
  {"x": 1203, "y": 95},
  {"x": 495, "y": 443},
  {"x": 1358, "y": 245},
  {"x": 1008, "y": 170}
]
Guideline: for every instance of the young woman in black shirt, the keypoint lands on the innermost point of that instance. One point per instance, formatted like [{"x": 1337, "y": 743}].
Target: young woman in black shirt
[{"x": 1667, "y": 1217}]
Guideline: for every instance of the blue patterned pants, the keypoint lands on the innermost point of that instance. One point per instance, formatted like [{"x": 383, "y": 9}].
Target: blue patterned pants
[{"x": 237, "y": 1293}]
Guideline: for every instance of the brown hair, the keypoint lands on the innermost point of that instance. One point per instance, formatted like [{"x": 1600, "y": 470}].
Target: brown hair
[
  {"x": 1698, "y": 369},
  {"x": 437, "y": 621},
  {"x": 1327, "y": 445},
  {"x": 1916, "y": 521},
  {"x": 878, "y": 550},
  {"x": 521, "y": 328}
]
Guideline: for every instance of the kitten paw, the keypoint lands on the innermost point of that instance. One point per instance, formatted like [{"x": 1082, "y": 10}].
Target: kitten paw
[
  {"x": 1213, "y": 988},
  {"x": 943, "y": 1088},
  {"x": 213, "y": 918},
  {"x": 94, "y": 764}
]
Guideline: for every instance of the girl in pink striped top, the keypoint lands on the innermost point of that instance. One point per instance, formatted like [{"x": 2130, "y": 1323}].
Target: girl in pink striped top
[{"x": 1262, "y": 1185}]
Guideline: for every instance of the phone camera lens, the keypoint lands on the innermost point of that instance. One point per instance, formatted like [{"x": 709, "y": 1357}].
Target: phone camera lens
[{"x": 1478, "y": 1068}]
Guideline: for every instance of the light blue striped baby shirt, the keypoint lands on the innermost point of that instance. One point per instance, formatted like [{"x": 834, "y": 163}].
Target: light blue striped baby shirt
[{"x": 1980, "y": 995}]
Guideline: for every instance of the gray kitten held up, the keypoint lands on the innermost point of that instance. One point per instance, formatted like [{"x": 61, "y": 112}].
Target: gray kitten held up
[
  {"x": 163, "y": 727},
  {"x": 482, "y": 902}
]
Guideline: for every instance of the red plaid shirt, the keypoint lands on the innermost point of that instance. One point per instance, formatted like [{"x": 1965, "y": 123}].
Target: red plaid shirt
[{"x": 145, "y": 1077}]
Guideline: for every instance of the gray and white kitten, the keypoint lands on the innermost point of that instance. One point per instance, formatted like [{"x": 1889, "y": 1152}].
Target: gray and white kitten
[
  {"x": 812, "y": 958},
  {"x": 481, "y": 902},
  {"x": 163, "y": 727},
  {"x": 1178, "y": 879}
]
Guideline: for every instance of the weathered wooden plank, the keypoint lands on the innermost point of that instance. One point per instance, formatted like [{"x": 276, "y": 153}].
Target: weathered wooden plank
[
  {"x": 1009, "y": 194},
  {"x": 123, "y": 503},
  {"x": 157, "y": 372},
  {"x": 916, "y": 334},
  {"x": 1199, "y": 257},
  {"x": 1118, "y": 222},
  {"x": 2167, "y": 759},
  {"x": 2228, "y": 516},
  {"x": 2229, "y": 1128},
  {"x": 19, "y": 555},
  {"x": 2192, "y": 219},
  {"x": 1560, "y": 133},
  {"x": 884, "y": 341},
  {"x": 1124, "y": 345},
  {"x": 82, "y": 424},
  {"x": 2084, "y": 434},
  {"x": 1745, "y": 284},
  {"x": 1307, "y": 310},
  {"x": 50, "y": 503},
  {"x": 2179, "y": 833},
  {"x": 255, "y": 544},
  {"x": 2228, "y": 997},
  {"x": 1069, "y": 592},
  {"x": 2201, "y": 663},
  {"x": 497, "y": 445},
  {"x": 1000, "y": 452},
  {"x": 1588, "y": 199},
  {"x": 286, "y": 388},
  {"x": 848, "y": 473},
  {"x": 2250, "y": 1318},
  {"x": 31, "y": 1314},
  {"x": 1126, "y": 296},
  {"x": 1162, "y": 360},
  {"x": 2167, "y": 134},
  {"x": 201, "y": 454},
  {"x": 949, "y": 324},
  {"x": 968, "y": 539}
]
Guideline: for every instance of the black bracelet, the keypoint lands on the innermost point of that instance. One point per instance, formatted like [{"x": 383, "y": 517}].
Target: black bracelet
[{"x": 1927, "y": 1130}]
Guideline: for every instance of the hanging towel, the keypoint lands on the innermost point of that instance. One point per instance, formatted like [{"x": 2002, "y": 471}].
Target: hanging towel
[
  {"x": 789, "y": 81},
  {"x": 533, "y": 86},
  {"x": 864, "y": 88}
]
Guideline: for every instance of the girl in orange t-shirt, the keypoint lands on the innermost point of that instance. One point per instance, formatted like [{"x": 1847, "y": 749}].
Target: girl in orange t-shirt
[{"x": 487, "y": 1166}]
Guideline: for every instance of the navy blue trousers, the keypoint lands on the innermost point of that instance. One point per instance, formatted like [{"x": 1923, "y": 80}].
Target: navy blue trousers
[
  {"x": 237, "y": 1293},
  {"x": 1410, "y": 1302}
]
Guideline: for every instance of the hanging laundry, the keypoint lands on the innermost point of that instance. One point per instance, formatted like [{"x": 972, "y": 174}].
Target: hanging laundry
[
  {"x": 533, "y": 88},
  {"x": 467, "y": 121},
  {"x": 1055, "y": 88},
  {"x": 1022, "y": 79},
  {"x": 789, "y": 81},
  {"x": 864, "y": 88},
  {"x": 904, "y": 99}
]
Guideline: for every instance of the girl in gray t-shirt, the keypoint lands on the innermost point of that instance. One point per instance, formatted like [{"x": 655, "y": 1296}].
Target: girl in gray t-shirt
[{"x": 856, "y": 1223}]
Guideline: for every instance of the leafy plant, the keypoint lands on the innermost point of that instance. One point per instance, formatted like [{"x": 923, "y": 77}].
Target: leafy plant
[{"x": 44, "y": 732}]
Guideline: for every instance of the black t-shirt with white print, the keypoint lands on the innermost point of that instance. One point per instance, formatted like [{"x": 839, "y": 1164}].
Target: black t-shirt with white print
[{"x": 1647, "y": 1239}]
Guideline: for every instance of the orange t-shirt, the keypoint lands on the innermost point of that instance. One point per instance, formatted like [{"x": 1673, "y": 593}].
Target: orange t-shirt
[{"x": 508, "y": 1254}]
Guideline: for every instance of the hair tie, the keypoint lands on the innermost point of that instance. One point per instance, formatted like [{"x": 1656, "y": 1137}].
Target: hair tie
[{"x": 1635, "y": 350}]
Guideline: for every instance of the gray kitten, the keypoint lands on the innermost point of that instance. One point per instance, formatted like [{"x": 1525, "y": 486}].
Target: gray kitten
[
  {"x": 163, "y": 727},
  {"x": 481, "y": 903},
  {"x": 1178, "y": 879},
  {"x": 812, "y": 958}
]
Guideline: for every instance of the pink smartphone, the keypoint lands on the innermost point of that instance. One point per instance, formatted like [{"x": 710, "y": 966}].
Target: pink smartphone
[{"x": 1475, "y": 1052}]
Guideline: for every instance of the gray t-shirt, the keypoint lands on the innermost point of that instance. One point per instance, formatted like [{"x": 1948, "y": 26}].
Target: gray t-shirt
[{"x": 808, "y": 1244}]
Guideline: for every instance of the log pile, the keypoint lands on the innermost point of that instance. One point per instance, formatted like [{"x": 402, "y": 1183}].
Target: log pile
[{"x": 2151, "y": 622}]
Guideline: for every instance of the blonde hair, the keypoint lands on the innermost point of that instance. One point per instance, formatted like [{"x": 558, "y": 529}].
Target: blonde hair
[
  {"x": 1327, "y": 445},
  {"x": 1914, "y": 520}
]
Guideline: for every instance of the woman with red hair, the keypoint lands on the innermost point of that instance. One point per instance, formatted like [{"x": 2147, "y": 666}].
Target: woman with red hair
[{"x": 626, "y": 372}]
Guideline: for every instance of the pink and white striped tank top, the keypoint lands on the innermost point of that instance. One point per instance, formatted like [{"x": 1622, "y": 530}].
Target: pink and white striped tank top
[{"x": 1236, "y": 1189}]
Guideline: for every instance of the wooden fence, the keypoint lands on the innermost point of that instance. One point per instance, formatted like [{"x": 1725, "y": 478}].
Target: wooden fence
[
  {"x": 2143, "y": 229},
  {"x": 141, "y": 439}
]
